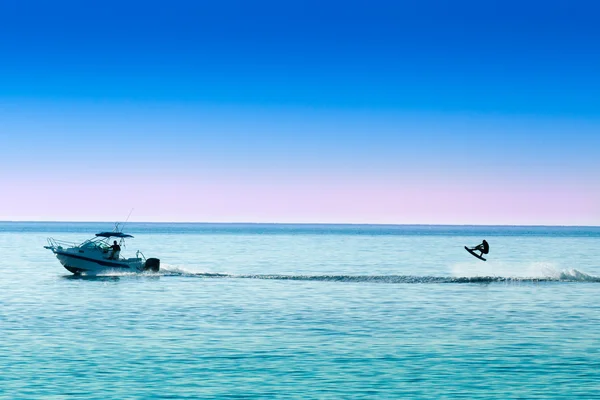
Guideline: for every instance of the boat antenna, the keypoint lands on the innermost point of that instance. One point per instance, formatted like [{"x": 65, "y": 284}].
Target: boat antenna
[{"x": 122, "y": 226}]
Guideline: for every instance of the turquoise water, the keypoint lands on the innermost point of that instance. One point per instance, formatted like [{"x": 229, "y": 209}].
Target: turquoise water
[{"x": 305, "y": 311}]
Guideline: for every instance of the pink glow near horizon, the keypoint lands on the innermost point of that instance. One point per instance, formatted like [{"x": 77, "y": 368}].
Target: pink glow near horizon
[{"x": 401, "y": 202}]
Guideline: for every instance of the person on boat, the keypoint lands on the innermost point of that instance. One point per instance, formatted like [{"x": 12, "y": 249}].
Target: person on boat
[
  {"x": 116, "y": 249},
  {"x": 484, "y": 247}
]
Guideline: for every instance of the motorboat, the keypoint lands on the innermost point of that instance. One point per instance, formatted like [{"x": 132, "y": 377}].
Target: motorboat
[{"x": 96, "y": 255}]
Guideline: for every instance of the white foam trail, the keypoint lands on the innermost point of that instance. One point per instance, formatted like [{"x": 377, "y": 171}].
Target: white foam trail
[
  {"x": 575, "y": 275},
  {"x": 498, "y": 268},
  {"x": 462, "y": 273},
  {"x": 170, "y": 270},
  {"x": 174, "y": 269}
]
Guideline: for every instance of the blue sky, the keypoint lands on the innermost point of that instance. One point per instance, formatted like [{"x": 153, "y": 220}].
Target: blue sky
[{"x": 380, "y": 111}]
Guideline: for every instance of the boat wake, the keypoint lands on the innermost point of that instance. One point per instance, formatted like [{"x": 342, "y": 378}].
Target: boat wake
[{"x": 571, "y": 275}]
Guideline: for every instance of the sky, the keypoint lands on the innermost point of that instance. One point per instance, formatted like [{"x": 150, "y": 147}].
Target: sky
[{"x": 392, "y": 112}]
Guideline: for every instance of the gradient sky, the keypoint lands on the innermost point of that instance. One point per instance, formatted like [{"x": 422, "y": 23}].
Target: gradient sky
[{"x": 448, "y": 112}]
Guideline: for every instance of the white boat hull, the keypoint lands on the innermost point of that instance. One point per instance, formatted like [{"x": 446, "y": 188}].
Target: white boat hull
[{"x": 79, "y": 264}]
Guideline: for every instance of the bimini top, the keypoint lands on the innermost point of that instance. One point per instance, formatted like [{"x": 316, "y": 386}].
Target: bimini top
[{"x": 113, "y": 234}]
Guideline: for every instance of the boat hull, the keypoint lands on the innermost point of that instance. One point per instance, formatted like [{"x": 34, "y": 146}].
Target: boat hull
[{"x": 79, "y": 264}]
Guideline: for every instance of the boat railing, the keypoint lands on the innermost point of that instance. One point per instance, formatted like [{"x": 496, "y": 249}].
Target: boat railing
[
  {"x": 138, "y": 253},
  {"x": 54, "y": 244}
]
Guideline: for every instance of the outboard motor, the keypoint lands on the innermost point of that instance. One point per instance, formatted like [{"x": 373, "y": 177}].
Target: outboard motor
[{"x": 152, "y": 264}]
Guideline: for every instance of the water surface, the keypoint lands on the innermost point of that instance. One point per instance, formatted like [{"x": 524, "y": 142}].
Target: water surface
[{"x": 305, "y": 311}]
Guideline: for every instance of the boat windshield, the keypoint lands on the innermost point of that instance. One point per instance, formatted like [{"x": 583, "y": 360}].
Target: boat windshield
[{"x": 94, "y": 243}]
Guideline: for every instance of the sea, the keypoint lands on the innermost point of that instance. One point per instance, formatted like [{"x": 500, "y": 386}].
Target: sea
[{"x": 276, "y": 311}]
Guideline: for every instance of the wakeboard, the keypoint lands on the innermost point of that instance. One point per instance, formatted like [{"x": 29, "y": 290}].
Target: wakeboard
[{"x": 474, "y": 254}]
